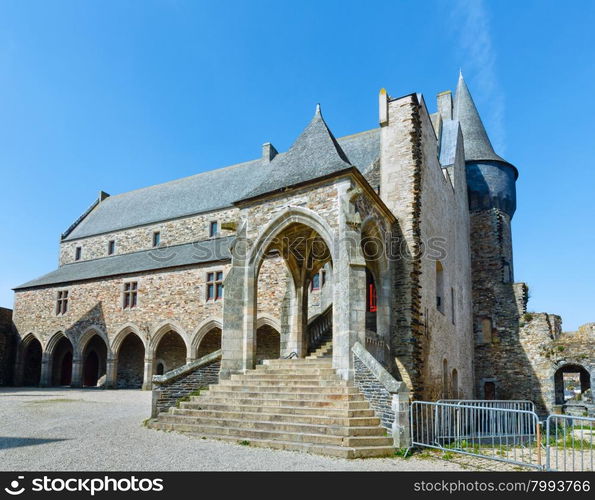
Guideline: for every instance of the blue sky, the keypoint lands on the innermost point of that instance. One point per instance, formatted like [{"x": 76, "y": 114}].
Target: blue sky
[{"x": 117, "y": 95}]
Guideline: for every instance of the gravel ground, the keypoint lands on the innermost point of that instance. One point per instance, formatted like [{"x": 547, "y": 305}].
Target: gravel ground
[{"x": 97, "y": 430}]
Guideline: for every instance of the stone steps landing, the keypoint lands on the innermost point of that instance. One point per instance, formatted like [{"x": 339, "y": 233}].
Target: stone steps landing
[{"x": 297, "y": 404}]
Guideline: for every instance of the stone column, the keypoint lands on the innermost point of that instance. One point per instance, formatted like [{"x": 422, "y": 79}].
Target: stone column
[
  {"x": 349, "y": 294},
  {"x": 238, "y": 335},
  {"x": 298, "y": 319},
  {"x": 148, "y": 374},
  {"x": 77, "y": 372},
  {"x": 45, "y": 379},
  {"x": 111, "y": 373},
  {"x": 401, "y": 428}
]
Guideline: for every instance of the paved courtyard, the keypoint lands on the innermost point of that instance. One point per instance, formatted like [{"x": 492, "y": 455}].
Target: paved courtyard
[{"x": 91, "y": 429}]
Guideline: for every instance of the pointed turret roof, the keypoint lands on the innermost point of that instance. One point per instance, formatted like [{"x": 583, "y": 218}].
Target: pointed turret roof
[
  {"x": 315, "y": 153},
  {"x": 477, "y": 143}
]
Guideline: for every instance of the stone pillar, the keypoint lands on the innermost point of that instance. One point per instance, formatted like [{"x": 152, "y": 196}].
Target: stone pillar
[
  {"x": 45, "y": 380},
  {"x": 148, "y": 374},
  {"x": 298, "y": 321},
  {"x": 77, "y": 372},
  {"x": 401, "y": 428},
  {"x": 238, "y": 335},
  {"x": 111, "y": 373},
  {"x": 349, "y": 293}
]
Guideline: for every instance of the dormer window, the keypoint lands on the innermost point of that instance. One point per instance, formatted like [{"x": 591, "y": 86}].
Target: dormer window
[
  {"x": 213, "y": 229},
  {"x": 156, "y": 238},
  {"x": 78, "y": 252}
]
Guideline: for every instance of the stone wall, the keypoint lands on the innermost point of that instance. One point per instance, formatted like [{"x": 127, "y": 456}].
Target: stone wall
[
  {"x": 375, "y": 393},
  {"x": 7, "y": 346},
  {"x": 168, "y": 390},
  {"x": 172, "y": 232}
]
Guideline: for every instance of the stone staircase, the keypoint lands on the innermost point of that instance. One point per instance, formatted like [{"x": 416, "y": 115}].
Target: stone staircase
[{"x": 289, "y": 404}]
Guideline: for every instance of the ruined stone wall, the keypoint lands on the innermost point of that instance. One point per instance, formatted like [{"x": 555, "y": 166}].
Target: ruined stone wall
[
  {"x": 172, "y": 232},
  {"x": 7, "y": 346}
]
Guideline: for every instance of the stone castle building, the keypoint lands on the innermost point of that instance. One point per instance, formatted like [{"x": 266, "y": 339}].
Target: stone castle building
[{"x": 396, "y": 239}]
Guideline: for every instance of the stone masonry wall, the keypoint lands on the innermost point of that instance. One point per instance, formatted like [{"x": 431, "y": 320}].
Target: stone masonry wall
[
  {"x": 7, "y": 346},
  {"x": 175, "y": 297},
  {"x": 167, "y": 395},
  {"x": 172, "y": 232},
  {"x": 379, "y": 398}
]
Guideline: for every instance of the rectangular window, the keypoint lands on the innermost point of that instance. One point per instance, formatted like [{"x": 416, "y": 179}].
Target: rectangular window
[
  {"x": 111, "y": 247},
  {"x": 130, "y": 294},
  {"x": 215, "y": 285},
  {"x": 156, "y": 238},
  {"x": 213, "y": 228},
  {"x": 62, "y": 302},
  {"x": 315, "y": 283},
  {"x": 77, "y": 253},
  {"x": 439, "y": 287}
]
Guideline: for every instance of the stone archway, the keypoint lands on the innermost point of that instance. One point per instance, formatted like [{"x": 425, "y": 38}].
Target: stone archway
[
  {"x": 570, "y": 381},
  {"x": 61, "y": 362},
  {"x": 268, "y": 343},
  {"x": 130, "y": 357},
  {"x": 170, "y": 351},
  {"x": 32, "y": 354},
  {"x": 94, "y": 357}
]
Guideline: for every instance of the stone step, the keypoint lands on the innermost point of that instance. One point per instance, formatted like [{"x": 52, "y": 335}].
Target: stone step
[
  {"x": 294, "y": 372},
  {"x": 284, "y": 388},
  {"x": 304, "y": 362},
  {"x": 281, "y": 394},
  {"x": 325, "y": 411},
  {"x": 265, "y": 376},
  {"x": 270, "y": 434},
  {"x": 264, "y": 425},
  {"x": 248, "y": 401},
  {"x": 354, "y": 421},
  {"x": 274, "y": 381}
]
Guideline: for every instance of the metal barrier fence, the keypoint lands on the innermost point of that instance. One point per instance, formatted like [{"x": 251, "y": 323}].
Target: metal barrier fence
[
  {"x": 570, "y": 443},
  {"x": 504, "y": 434},
  {"x": 508, "y": 404}
]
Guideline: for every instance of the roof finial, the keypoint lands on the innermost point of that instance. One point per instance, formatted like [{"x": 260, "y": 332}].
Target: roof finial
[
  {"x": 317, "y": 109},
  {"x": 461, "y": 73}
]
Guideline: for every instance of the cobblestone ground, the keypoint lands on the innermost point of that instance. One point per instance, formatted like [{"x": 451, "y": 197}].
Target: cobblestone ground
[{"x": 73, "y": 429}]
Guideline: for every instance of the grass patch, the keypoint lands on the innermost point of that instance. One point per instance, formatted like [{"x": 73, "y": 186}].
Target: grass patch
[
  {"x": 196, "y": 392},
  {"x": 403, "y": 452},
  {"x": 244, "y": 443}
]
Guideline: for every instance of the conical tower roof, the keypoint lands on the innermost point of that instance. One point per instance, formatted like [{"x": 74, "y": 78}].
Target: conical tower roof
[{"x": 477, "y": 143}]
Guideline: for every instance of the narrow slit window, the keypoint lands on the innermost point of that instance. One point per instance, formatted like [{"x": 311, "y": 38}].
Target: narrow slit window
[
  {"x": 315, "y": 283},
  {"x": 78, "y": 252},
  {"x": 214, "y": 228},
  {"x": 111, "y": 247},
  {"x": 156, "y": 238}
]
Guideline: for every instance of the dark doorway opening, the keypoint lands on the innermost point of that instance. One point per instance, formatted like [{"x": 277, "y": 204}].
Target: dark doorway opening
[{"x": 32, "y": 363}]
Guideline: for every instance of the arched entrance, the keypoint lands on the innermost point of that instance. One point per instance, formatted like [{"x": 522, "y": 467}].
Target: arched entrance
[
  {"x": 62, "y": 362},
  {"x": 301, "y": 254},
  {"x": 94, "y": 362},
  {"x": 211, "y": 342},
  {"x": 131, "y": 362},
  {"x": 32, "y": 353},
  {"x": 170, "y": 352},
  {"x": 268, "y": 343},
  {"x": 570, "y": 382}
]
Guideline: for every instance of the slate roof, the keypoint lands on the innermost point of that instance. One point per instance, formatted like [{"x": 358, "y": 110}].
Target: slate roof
[
  {"x": 213, "y": 250},
  {"x": 315, "y": 153},
  {"x": 448, "y": 142},
  {"x": 477, "y": 143}
]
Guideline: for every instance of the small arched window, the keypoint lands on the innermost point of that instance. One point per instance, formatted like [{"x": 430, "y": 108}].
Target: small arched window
[{"x": 160, "y": 368}]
